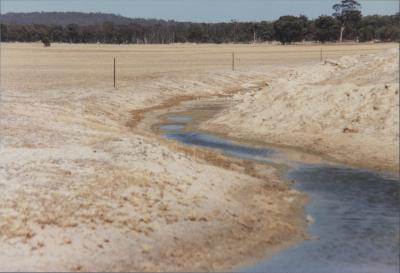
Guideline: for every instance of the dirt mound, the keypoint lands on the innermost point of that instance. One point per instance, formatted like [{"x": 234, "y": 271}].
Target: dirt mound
[{"x": 347, "y": 109}]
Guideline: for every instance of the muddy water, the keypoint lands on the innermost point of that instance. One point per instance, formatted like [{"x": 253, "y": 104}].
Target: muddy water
[{"x": 355, "y": 212}]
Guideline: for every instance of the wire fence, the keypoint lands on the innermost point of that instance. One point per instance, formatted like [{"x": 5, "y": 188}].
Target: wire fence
[{"x": 90, "y": 65}]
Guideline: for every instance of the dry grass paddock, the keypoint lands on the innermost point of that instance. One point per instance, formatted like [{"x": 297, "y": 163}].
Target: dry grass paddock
[{"x": 32, "y": 66}]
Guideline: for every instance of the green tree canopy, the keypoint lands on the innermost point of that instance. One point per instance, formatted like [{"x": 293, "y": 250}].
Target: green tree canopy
[
  {"x": 326, "y": 29},
  {"x": 289, "y": 29}
]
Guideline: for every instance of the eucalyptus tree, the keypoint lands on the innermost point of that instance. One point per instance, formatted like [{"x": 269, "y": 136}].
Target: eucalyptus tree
[
  {"x": 289, "y": 29},
  {"x": 347, "y": 11},
  {"x": 326, "y": 28}
]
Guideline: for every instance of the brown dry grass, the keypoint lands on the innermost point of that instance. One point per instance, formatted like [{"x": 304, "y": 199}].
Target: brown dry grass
[
  {"x": 137, "y": 115},
  {"x": 91, "y": 66}
]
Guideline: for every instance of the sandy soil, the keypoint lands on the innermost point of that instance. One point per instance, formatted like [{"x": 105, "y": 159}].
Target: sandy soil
[
  {"x": 83, "y": 189},
  {"x": 347, "y": 109}
]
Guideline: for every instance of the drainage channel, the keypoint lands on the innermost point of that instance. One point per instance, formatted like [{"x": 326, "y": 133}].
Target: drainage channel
[{"x": 355, "y": 211}]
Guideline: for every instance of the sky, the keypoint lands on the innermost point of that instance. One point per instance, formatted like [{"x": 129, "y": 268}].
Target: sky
[{"x": 198, "y": 10}]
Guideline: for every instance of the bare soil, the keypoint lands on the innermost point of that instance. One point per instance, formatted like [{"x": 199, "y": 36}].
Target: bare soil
[{"x": 83, "y": 188}]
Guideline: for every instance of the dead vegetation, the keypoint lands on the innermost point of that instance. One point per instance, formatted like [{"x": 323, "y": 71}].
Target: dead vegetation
[{"x": 82, "y": 191}]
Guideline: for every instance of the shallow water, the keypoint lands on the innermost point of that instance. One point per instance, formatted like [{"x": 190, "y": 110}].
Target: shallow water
[
  {"x": 356, "y": 216},
  {"x": 355, "y": 211},
  {"x": 172, "y": 127},
  {"x": 214, "y": 142}
]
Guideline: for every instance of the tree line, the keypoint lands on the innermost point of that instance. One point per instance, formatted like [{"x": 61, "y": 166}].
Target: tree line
[{"x": 287, "y": 29}]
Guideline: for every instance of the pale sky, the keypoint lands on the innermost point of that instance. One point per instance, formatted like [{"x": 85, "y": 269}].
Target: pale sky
[{"x": 198, "y": 10}]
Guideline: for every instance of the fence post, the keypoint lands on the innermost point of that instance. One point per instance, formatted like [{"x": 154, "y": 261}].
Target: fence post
[
  {"x": 233, "y": 61},
  {"x": 114, "y": 74},
  {"x": 321, "y": 55}
]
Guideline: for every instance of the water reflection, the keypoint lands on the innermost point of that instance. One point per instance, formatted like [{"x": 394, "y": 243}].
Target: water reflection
[
  {"x": 356, "y": 216},
  {"x": 356, "y": 211}
]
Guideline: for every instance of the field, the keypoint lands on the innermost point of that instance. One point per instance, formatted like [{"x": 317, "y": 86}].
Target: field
[
  {"x": 91, "y": 66},
  {"x": 84, "y": 188}
]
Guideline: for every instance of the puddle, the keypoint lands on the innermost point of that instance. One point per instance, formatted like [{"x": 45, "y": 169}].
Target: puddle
[
  {"x": 214, "y": 142},
  {"x": 179, "y": 118},
  {"x": 172, "y": 127},
  {"x": 355, "y": 211}
]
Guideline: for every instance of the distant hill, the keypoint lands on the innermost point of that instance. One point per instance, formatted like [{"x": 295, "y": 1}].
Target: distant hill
[{"x": 65, "y": 18}]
